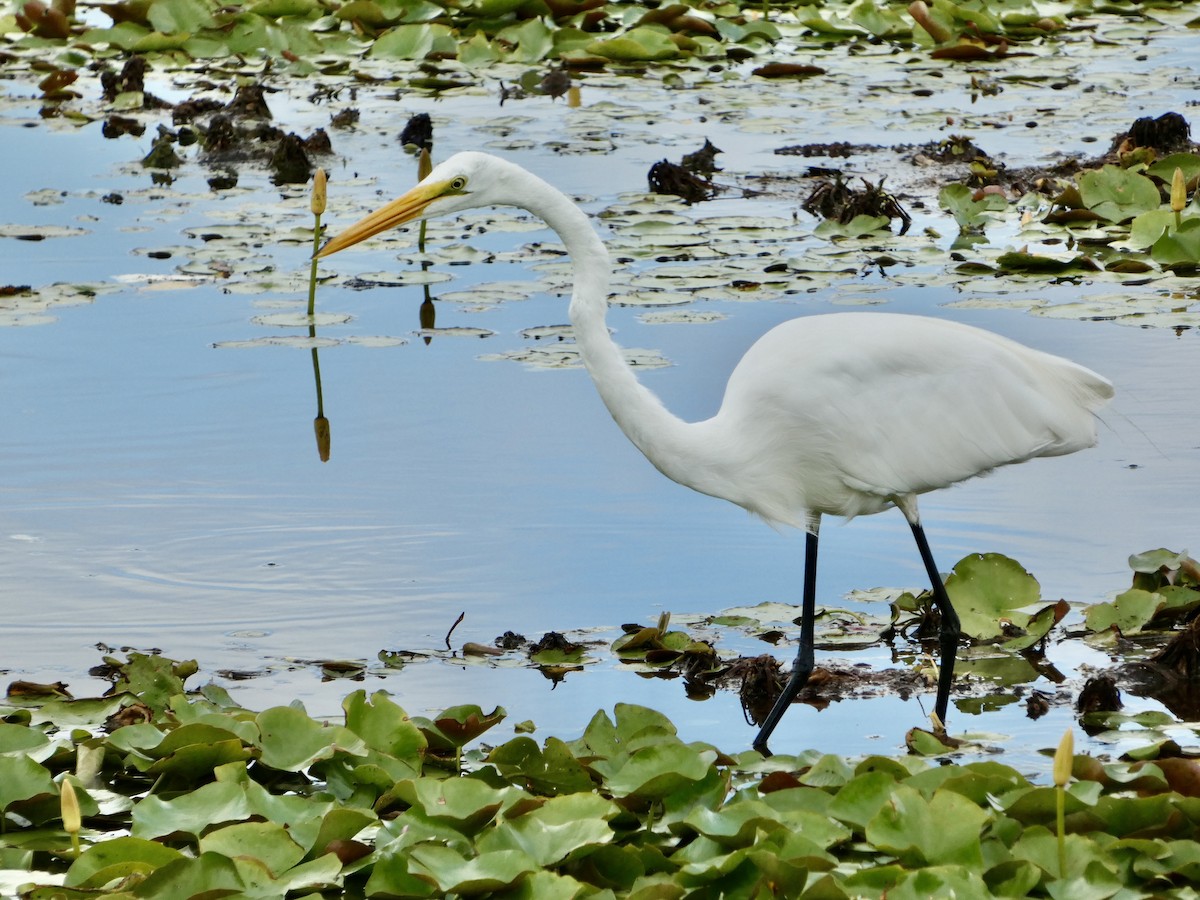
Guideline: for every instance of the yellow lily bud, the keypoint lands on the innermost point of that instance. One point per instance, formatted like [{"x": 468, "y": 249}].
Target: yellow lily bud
[
  {"x": 1064, "y": 758},
  {"x": 318, "y": 193},
  {"x": 1178, "y": 191},
  {"x": 71, "y": 818},
  {"x": 424, "y": 164}
]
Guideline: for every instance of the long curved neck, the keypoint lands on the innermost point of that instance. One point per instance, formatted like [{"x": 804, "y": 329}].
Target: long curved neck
[{"x": 667, "y": 441}]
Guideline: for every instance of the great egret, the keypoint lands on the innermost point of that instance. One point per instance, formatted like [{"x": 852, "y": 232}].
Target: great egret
[{"x": 843, "y": 414}]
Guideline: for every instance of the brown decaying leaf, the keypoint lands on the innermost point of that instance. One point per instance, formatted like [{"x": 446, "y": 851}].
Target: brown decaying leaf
[
  {"x": 38, "y": 689},
  {"x": 787, "y": 70},
  {"x": 969, "y": 50},
  {"x": 472, "y": 648},
  {"x": 348, "y": 851}
]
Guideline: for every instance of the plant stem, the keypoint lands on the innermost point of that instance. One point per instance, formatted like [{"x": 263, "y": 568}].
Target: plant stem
[
  {"x": 312, "y": 275},
  {"x": 1062, "y": 840}
]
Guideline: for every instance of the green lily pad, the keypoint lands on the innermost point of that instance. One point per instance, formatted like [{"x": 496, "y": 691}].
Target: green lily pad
[
  {"x": 487, "y": 872},
  {"x": 23, "y": 779},
  {"x": 119, "y": 858},
  {"x": 987, "y": 589},
  {"x": 266, "y": 842},
  {"x": 1118, "y": 194},
  {"x": 1179, "y": 247},
  {"x": 641, "y": 44}
]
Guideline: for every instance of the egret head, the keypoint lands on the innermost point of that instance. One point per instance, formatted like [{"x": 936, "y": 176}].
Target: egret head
[{"x": 464, "y": 181}]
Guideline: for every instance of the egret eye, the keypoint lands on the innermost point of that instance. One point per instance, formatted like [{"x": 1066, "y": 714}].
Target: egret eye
[{"x": 458, "y": 183}]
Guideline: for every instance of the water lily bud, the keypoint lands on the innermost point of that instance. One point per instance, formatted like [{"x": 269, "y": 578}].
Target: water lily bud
[
  {"x": 318, "y": 193},
  {"x": 424, "y": 164},
  {"x": 321, "y": 429},
  {"x": 1178, "y": 191},
  {"x": 71, "y": 818},
  {"x": 1064, "y": 758}
]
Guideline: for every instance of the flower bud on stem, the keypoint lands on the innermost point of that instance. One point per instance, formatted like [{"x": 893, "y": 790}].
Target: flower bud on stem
[
  {"x": 317, "y": 205},
  {"x": 1178, "y": 194},
  {"x": 1064, "y": 759}
]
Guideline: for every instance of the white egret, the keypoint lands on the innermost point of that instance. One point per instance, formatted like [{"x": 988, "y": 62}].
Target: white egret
[{"x": 843, "y": 414}]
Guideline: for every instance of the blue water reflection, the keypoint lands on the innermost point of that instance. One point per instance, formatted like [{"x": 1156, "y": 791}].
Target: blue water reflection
[{"x": 160, "y": 491}]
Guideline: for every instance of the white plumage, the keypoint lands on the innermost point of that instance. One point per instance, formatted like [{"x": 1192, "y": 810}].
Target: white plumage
[{"x": 843, "y": 414}]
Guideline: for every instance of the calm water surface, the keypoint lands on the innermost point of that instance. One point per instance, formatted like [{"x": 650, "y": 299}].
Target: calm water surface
[{"x": 159, "y": 488}]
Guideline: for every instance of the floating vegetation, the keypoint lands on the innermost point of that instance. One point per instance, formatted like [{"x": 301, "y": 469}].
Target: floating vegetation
[{"x": 158, "y": 790}]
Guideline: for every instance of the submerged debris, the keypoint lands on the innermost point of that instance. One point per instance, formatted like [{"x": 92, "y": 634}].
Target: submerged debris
[
  {"x": 837, "y": 200},
  {"x": 510, "y": 640},
  {"x": 1181, "y": 655},
  {"x": 836, "y": 150},
  {"x": 190, "y": 110},
  {"x": 1168, "y": 133},
  {"x": 162, "y": 155},
  {"x": 115, "y": 126},
  {"x": 555, "y": 83},
  {"x": 669, "y": 178},
  {"x": 418, "y": 131},
  {"x": 249, "y": 102},
  {"x": 703, "y": 161},
  {"x": 290, "y": 162},
  {"x": 760, "y": 682},
  {"x": 1099, "y": 694},
  {"x": 553, "y": 641}
]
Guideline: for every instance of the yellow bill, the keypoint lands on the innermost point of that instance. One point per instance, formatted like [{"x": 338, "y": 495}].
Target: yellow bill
[{"x": 402, "y": 209}]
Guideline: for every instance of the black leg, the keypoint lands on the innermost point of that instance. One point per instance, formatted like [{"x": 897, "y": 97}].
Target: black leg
[
  {"x": 951, "y": 629},
  {"x": 804, "y": 657}
]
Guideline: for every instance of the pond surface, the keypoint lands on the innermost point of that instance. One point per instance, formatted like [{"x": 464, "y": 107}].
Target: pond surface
[{"x": 161, "y": 485}]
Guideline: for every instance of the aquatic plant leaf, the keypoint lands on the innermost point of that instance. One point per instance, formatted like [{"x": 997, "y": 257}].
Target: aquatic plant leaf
[
  {"x": 384, "y": 726},
  {"x": 924, "y": 742},
  {"x": 1034, "y": 263},
  {"x": 1128, "y": 613},
  {"x": 23, "y": 779},
  {"x": 399, "y": 875},
  {"x": 339, "y": 824},
  {"x": 466, "y": 804},
  {"x": 987, "y": 589},
  {"x": 1146, "y": 228},
  {"x": 208, "y": 874},
  {"x": 640, "y": 44},
  {"x": 1151, "y": 561},
  {"x": 531, "y": 41},
  {"x": 413, "y": 41},
  {"x": 655, "y": 771},
  {"x": 154, "y": 679},
  {"x": 552, "y": 770},
  {"x": 970, "y": 214},
  {"x": 859, "y": 226},
  {"x": 942, "y": 830},
  {"x": 455, "y": 874},
  {"x": 267, "y": 842},
  {"x": 118, "y": 858},
  {"x": 1118, "y": 194},
  {"x": 1165, "y": 167},
  {"x": 190, "y": 814},
  {"x": 21, "y": 740},
  {"x": 458, "y": 726},
  {"x": 1039, "y": 804},
  {"x": 559, "y": 829},
  {"x": 291, "y": 741},
  {"x": 1038, "y": 626},
  {"x": 175, "y": 16},
  {"x": 1180, "y": 246},
  {"x": 477, "y": 51}
]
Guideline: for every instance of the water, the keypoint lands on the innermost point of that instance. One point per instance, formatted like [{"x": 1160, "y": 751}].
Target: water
[{"x": 161, "y": 488}]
